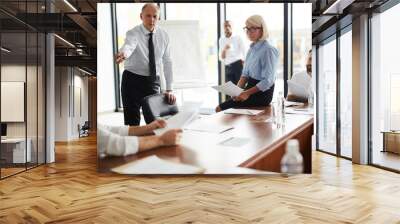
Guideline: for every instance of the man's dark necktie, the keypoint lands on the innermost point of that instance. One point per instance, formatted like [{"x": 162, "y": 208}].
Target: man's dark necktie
[{"x": 152, "y": 60}]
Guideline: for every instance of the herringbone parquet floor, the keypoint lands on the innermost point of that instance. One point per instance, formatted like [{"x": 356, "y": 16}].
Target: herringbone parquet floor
[{"x": 71, "y": 191}]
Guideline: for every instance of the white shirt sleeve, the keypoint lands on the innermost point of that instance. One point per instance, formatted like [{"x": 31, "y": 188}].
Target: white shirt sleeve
[
  {"x": 167, "y": 62},
  {"x": 115, "y": 141},
  {"x": 130, "y": 44}
]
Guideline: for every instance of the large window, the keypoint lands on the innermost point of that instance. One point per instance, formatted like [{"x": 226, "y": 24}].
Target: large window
[
  {"x": 105, "y": 60},
  {"x": 334, "y": 137},
  {"x": 127, "y": 17},
  {"x": 346, "y": 94},
  {"x": 385, "y": 84},
  {"x": 273, "y": 16},
  {"x": 327, "y": 97},
  {"x": 205, "y": 14},
  {"x": 301, "y": 35}
]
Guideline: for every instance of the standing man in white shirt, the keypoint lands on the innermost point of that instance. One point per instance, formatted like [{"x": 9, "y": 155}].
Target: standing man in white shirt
[
  {"x": 232, "y": 53},
  {"x": 145, "y": 51}
]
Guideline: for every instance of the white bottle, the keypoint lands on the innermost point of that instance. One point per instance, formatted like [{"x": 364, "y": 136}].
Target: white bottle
[
  {"x": 292, "y": 161},
  {"x": 280, "y": 110}
]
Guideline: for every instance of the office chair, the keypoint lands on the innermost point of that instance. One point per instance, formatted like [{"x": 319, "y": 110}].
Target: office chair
[
  {"x": 84, "y": 130},
  {"x": 156, "y": 106}
]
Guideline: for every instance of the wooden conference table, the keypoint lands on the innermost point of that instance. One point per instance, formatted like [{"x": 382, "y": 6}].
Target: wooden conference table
[{"x": 263, "y": 150}]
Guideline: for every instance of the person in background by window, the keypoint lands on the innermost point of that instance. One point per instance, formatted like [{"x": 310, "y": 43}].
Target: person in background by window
[
  {"x": 303, "y": 78},
  {"x": 232, "y": 53},
  {"x": 146, "y": 48},
  {"x": 259, "y": 70},
  {"x": 127, "y": 140}
]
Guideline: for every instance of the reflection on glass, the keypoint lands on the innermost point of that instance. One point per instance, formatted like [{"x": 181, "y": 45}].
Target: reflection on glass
[
  {"x": 346, "y": 94},
  {"x": 273, "y": 16},
  {"x": 327, "y": 97},
  {"x": 385, "y": 86}
]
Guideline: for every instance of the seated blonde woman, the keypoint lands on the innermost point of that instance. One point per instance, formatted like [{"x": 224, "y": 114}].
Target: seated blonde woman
[
  {"x": 258, "y": 76},
  {"x": 127, "y": 140}
]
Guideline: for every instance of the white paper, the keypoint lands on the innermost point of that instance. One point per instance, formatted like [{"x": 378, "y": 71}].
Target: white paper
[
  {"x": 306, "y": 111},
  {"x": 229, "y": 89},
  {"x": 155, "y": 165},
  {"x": 242, "y": 111},
  {"x": 179, "y": 120},
  {"x": 292, "y": 103},
  {"x": 204, "y": 126},
  {"x": 297, "y": 89}
]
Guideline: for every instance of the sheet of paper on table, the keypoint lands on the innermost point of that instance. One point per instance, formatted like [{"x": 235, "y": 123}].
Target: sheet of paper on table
[
  {"x": 306, "y": 111},
  {"x": 242, "y": 111},
  {"x": 155, "y": 165}
]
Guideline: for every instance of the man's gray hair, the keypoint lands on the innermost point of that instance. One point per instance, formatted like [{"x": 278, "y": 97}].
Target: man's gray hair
[{"x": 150, "y": 4}]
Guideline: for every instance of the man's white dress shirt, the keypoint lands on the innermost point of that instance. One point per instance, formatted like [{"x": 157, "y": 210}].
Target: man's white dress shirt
[
  {"x": 136, "y": 52},
  {"x": 236, "y": 51}
]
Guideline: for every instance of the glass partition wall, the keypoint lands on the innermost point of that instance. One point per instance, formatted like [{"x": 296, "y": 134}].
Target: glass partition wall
[
  {"x": 385, "y": 89},
  {"x": 334, "y": 102},
  {"x": 346, "y": 93},
  {"x": 326, "y": 132},
  {"x": 22, "y": 87}
]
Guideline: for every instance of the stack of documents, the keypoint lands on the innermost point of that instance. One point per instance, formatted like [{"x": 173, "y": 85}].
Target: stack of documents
[
  {"x": 243, "y": 111},
  {"x": 155, "y": 165},
  {"x": 229, "y": 89}
]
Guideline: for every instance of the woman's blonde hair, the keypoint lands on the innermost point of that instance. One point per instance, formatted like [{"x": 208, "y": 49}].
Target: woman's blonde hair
[{"x": 257, "y": 20}]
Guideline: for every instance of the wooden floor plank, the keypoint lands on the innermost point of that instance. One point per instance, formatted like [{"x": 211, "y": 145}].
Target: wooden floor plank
[{"x": 71, "y": 191}]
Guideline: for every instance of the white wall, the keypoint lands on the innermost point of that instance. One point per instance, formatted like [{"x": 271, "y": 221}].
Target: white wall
[{"x": 67, "y": 114}]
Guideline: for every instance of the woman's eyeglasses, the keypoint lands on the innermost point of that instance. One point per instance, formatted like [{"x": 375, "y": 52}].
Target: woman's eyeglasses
[{"x": 251, "y": 29}]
